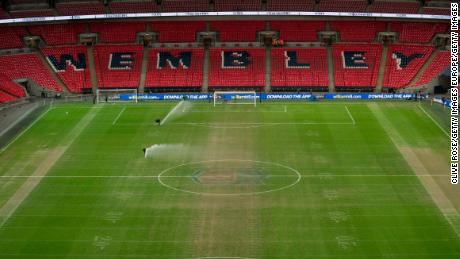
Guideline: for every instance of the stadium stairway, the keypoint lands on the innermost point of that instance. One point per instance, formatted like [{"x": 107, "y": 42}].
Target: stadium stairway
[
  {"x": 268, "y": 68},
  {"x": 381, "y": 73},
  {"x": 205, "y": 85},
  {"x": 144, "y": 64},
  {"x": 330, "y": 66},
  {"x": 425, "y": 66},
  {"x": 92, "y": 68},
  {"x": 56, "y": 78}
]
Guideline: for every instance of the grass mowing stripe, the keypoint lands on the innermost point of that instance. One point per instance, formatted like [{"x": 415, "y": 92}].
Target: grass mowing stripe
[
  {"x": 435, "y": 122},
  {"x": 54, "y": 155},
  {"x": 24, "y": 131},
  {"x": 119, "y": 115}
]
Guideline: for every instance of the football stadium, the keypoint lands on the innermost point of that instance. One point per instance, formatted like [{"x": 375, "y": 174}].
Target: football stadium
[{"x": 229, "y": 129}]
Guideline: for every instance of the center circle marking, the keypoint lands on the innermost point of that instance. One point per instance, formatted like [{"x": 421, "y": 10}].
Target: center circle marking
[{"x": 201, "y": 177}]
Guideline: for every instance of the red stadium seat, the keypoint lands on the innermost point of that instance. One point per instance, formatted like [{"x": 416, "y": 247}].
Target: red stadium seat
[
  {"x": 133, "y": 7},
  {"x": 251, "y": 75},
  {"x": 185, "y": 5},
  {"x": 298, "y": 31},
  {"x": 11, "y": 37},
  {"x": 76, "y": 79},
  {"x": 117, "y": 32},
  {"x": 237, "y": 31},
  {"x": 3, "y": 14},
  {"x": 437, "y": 11},
  {"x": 437, "y": 65},
  {"x": 380, "y": 6},
  {"x": 363, "y": 72},
  {"x": 400, "y": 70},
  {"x": 58, "y": 34},
  {"x": 5, "y": 97},
  {"x": 417, "y": 32},
  {"x": 357, "y": 6},
  {"x": 293, "y": 5},
  {"x": 179, "y": 75},
  {"x": 358, "y": 31},
  {"x": 28, "y": 66},
  {"x": 178, "y": 31},
  {"x": 237, "y": 5},
  {"x": 32, "y": 13},
  {"x": 80, "y": 8},
  {"x": 283, "y": 75},
  {"x": 7, "y": 86},
  {"x": 126, "y": 70}
]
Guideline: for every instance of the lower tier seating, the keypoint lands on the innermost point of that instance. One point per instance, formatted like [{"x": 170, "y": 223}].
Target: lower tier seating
[
  {"x": 28, "y": 66},
  {"x": 358, "y": 6},
  {"x": 175, "y": 68},
  {"x": 356, "y": 65},
  {"x": 11, "y": 88},
  {"x": 177, "y": 31},
  {"x": 11, "y": 37},
  {"x": 384, "y": 6},
  {"x": 358, "y": 31},
  {"x": 58, "y": 34},
  {"x": 237, "y": 67},
  {"x": 6, "y": 98},
  {"x": 117, "y": 32},
  {"x": 133, "y": 7},
  {"x": 417, "y": 32},
  {"x": 437, "y": 65},
  {"x": 118, "y": 66},
  {"x": 32, "y": 13},
  {"x": 230, "y": 31},
  {"x": 185, "y": 5},
  {"x": 80, "y": 8},
  {"x": 237, "y": 5},
  {"x": 299, "y": 67},
  {"x": 298, "y": 31},
  {"x": 403, "y": 63},
  {"x": 293, "y": 5},
  {"x": 71, "y": 66}
]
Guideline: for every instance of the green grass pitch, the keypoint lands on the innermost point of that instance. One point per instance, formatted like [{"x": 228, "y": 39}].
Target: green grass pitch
[{"x": 280, "y": 180}]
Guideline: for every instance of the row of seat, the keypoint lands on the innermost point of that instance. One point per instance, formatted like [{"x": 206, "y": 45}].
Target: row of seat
[
  {"x": 143, "y": 6},
  {"x": 228, "y": 31}
]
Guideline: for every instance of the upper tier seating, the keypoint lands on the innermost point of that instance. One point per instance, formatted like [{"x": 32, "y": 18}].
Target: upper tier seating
[
  {"x": 238, "y": 5},
  {"x": 393, "y": 7},
  {"x": 185, "y": 5},
  {"x": 3, "y": 14},
  {"x": 315, "y": 75},
  {"x": 434, "y": 10},
  {"x": 32, "y": 13},
  {"x": 58, "y": 34},
  {"x": 117, "y": 32},
  {"x": 11, "y": 88},
  {"x": 133, "y": 7},
  {"x": 417, "y": 32},
  {"x": 177, "y": 31},
  {"x": 403, "y": 63},
  {"x": 293, "y": 5},
  {"x": 357, "y": 6},
  {"x": 125, "y": 69},
  {"x": 362, "y": 70},
  {"x": 169, "y": 74},
  {"x": 15, "y": 2},
  {"x": 251, "y": 74},
  {"x": 5, "y": 97},
  {"x": 358, "y": 31},
  {"x": 297, "y": 31},
  {"x": 80, "y": 8},
  {"x": 75, "y": 76},
  {"x": 437, "y": 65},
  {"x": 11, "y": 37},
  {"x": 28, "y": 66},
  {"x": 237, "y": 31}
]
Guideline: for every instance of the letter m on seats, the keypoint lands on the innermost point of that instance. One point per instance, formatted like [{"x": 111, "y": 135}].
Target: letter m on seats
[
  {"x": 78, "y": 64},
  {"x": 165, "y": 59}
]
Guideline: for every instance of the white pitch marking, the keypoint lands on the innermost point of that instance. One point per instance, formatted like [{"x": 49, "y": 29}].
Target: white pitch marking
[
  {"x": 119, "y": 115},
  {"x": 171, "y": 112},
  {"x": 285, "y": 108},
  {"x": 351, "y": 116},
  {"x": 24, "y": 131},
  {"x": 435, "y": 122}
]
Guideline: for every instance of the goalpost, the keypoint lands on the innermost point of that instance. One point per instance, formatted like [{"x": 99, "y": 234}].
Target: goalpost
[
  {"x": 235, "y": 97},
  {"x": 116, "y": 95}
]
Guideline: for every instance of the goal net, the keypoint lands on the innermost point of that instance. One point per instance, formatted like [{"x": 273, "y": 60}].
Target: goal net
[
  {"x": 239, "y": 97},
  {"x": 116, "y": 95}
]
